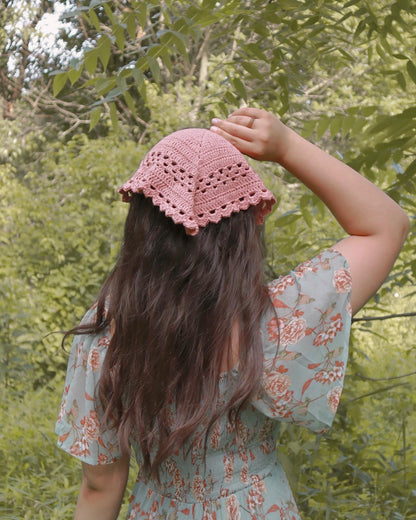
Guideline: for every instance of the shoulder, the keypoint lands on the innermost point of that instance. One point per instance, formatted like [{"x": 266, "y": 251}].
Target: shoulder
[
  {"x": 307, "y": 296},
  {"x": 88, "y": 349},
  {"x": 327, "y": 272}
]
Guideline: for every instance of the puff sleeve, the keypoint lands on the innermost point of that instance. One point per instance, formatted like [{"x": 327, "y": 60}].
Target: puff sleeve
[
  {"x": 305, "y": 337},
  {"x": 79, "y": 425}
]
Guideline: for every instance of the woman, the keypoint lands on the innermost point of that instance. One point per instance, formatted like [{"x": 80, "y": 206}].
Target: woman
[{"x": 188, "y": 357}]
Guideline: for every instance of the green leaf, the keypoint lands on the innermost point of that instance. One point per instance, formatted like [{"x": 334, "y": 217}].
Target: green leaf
[
  {"x": 104, "y": 50},
  {"x": 306, "y": 214},
  {"x": 104, "y": 85},
  {"x": 411, "y": 69},
  {"x": 322, "y": 126},
  {"x": 253, "y": 70},
  {"x": 155, "y": 50},
  {"x": 411, "y": 169},
  {"x": 130, "y": 102},
  {"x": 335, "y": 125},
  {"x": 109, "y": 13},
  {"x": 94, "y": 19},
  {"x": 90, "y": 61},
  {"x": 360, "y": 28},
  {"x": 74, "y": 74},
  {"x": 118, "y": 32},
  {"x": 131, "y": 24},
  {"x": 240, "y": 88},
  {"x": 401, "y": 80},
  {"x": 141, "y": 12},
  {"x": 113, "y": 116},
  {"x": 255, "y": 50},
  {"x": 125, "y": 73},
  {"x": 287, "y": 218},
  {"x": 59, "y": 82},
  {"x": 166, "y": 59},
  {"x": 231, "y": 98},
  {"x": 154, "y": 68},
  {"x": 138, "y": 77},
  {"x": 400, "y": 56},
  {"x": 386, "y": 45},
  {"x": 142, "y": 90},
  {"x": 95, "y": 117},
  {"x": 121, "y": 83},
  {"x": 111, "y": 96},
  {"x": 367, "y": 111},
  {"x": 175, "y": 38}
]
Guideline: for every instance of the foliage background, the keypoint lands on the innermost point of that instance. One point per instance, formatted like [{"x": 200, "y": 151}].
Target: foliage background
[{"x": 78, "y": 115}]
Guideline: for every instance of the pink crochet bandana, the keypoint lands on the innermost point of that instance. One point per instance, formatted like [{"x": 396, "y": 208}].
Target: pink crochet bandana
[{"x": 195, "y": 177}]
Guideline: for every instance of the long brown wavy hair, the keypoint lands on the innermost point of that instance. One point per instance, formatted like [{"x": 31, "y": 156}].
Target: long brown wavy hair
[{"x": 172, "y": 301}]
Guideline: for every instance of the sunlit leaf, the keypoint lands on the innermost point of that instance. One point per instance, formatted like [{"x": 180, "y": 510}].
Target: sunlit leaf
[
  {"x": 59, "y": 82},
  {"x": 90, "y": 61},
  {"x": 95, "y": 117},
  {"x": 113, "y": 116},
  {"x": 411, "y": 69},
  {"x": 103, "y": 50}
]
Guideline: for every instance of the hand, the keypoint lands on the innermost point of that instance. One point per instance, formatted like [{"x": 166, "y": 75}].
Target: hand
[{"x": 256, "y": 133}]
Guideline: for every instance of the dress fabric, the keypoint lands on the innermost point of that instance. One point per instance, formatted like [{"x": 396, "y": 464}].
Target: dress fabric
[{"x": 305, "y": 342}]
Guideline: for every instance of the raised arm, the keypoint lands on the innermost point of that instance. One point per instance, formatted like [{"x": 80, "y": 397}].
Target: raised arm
[{"x": 376, "y": 224}]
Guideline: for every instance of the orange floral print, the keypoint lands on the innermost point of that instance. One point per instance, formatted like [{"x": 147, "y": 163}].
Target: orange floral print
[
  {"x": 293, "y": 331},
  {"x": 342, "y": 280},
  {"x": 232, "y": 507}
]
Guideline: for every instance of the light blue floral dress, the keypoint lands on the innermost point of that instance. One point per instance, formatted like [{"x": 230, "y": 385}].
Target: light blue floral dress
[{"x": 305, "y": 339}]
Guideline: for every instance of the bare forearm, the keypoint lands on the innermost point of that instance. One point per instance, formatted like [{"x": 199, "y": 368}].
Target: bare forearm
[
  {"x": 97, "y": 504},
  {"x": 359, "y": 206},
  {"x": 102, "y": 490}
]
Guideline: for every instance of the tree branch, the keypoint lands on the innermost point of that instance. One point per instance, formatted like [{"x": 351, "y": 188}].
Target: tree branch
[
  {"x": 369, "y": 394},
  {"x": 386, "y": 317},
  {"x": 365, "y": 378}
]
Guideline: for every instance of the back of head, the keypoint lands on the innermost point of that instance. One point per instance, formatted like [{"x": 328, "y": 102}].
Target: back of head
[
  {"x": 178, "y": 291},
  {"x": 196, "y": 177}
]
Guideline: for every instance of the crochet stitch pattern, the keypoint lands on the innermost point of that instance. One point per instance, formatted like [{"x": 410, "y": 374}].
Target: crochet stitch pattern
[{"x": 195, "y": 177}]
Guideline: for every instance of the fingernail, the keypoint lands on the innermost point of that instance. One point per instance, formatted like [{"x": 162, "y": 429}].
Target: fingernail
[
  {"x": 215, "y": 121},
  {"x": 214, "y": 129}
]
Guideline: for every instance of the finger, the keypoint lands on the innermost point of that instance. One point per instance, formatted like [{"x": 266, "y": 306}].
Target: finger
[
  {"x": 242, "y": 120},
  {"x": 241, "y": 144},
  {"x": 250, "y": 112},
  {"x": 240, "y": 131}
]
